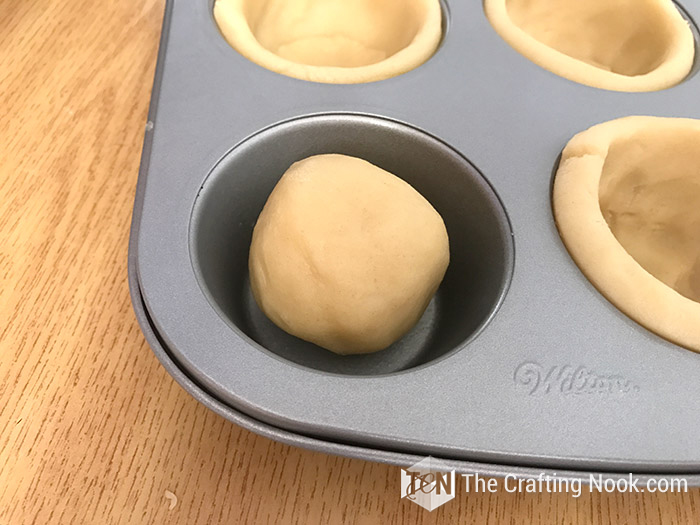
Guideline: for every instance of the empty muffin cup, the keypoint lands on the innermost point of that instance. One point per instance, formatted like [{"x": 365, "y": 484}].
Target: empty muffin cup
[
  {"x": 333, "y": 41},
  {"x": 626, "y": 200},
  {"x": 626, "y": 45},
  {"x": 481, "y": 245}
]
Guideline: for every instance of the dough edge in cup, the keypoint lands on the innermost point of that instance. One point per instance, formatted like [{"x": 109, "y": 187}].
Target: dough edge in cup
[
  {"x": 230, "y": 17},
  {"x": 673, "y": 70},
  {"x": 593, "y": 246}
]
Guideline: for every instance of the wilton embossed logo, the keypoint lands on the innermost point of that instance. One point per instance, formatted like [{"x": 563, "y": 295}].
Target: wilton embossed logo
[{"x": 535, "y": 379}]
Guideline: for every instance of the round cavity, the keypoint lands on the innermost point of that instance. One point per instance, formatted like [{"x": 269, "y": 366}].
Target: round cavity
[
  {"x": 481, "y": 246},
  {"x": 333, "y": 41},
  {"x": 627, "y": 45},
  {"x": 627, "y": 202}
]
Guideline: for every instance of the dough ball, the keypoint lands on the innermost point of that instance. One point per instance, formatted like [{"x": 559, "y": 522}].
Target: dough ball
[
  {"x": 333, "y": 41},
  {"x": 626, "y": 200},
  {"x": 622, "y": 45},
  {"x": 346, "y": 255}
]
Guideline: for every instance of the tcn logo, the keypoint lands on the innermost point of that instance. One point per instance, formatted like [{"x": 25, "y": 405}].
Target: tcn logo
[{"x": 428, "y": 483}]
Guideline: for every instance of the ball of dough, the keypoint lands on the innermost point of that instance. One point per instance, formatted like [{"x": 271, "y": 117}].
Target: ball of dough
[
  {"x": 346, "y": 255},
  {"x": 333, "y": 41}
]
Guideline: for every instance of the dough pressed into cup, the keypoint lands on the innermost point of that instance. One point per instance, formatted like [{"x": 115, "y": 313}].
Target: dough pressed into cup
[
  {"x": 346, "y": 255},
  {"x": 626, "y": 201},
  {"x": 333, "y": 41},
  {"x": 620, "y": 45}
]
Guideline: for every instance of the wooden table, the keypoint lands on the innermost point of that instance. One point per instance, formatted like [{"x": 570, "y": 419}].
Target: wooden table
[{"x": 92, "y": 429}]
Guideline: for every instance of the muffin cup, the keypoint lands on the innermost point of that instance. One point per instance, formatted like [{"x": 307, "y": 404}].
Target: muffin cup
[
  {"x": 624, "y": 46},
  {"x": 640, "y": 257},
  {"x": 481, "y": 247},
  {"x": 333, "y": 41}
]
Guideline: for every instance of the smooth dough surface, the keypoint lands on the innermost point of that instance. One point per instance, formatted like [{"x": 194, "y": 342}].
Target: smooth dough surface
[
  {"x": 333, "y": 41},
  {"x": 627, "y": 204},
  {"x": 621, "y": 45},
  {"x": 346, "y": 255}
]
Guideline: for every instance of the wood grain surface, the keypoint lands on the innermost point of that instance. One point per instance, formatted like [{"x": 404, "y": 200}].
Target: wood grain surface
[{"x": 92, "y": 429}]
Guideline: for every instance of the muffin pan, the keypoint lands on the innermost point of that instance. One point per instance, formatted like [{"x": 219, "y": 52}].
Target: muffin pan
[{"x": 518, "y": 365}]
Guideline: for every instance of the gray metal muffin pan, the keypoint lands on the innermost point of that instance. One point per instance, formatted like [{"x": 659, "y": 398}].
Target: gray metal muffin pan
[{"x": 519, "y": 364}]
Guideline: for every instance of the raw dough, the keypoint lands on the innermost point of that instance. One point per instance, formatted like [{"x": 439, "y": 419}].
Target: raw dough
[
  {"x": 627, "y": 204},
  {"x": 346, "y": 255},
  {"x": 333, "y": 41},
  {"x": 621, "y": 45}
]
